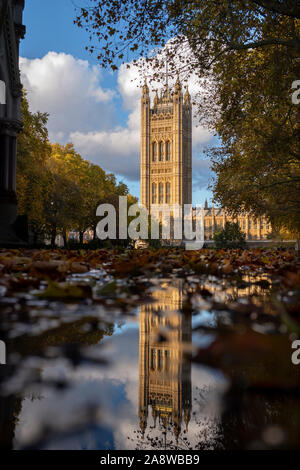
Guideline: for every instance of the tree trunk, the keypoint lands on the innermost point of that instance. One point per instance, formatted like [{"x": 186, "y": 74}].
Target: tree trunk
[
  {"x": 53, "y": 237},
  {"x": 81, "y": 238},
  {"x": 35, "y": 238},
  {"x": 65, "y": 237}
]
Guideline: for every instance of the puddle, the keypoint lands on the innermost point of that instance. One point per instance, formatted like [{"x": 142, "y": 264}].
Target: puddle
[{"x": 85, "y": 376}]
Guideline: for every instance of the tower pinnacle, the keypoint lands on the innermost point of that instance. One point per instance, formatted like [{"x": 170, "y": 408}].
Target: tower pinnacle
[
  {"x": 145, "y": 87},
  {"x": 187, "y": 96},
  {"x": 178, "y": 83}
]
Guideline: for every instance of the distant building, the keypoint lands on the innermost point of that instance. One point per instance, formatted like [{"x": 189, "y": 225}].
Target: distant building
[
  {"x": 215, "y": 219},
  {"x": 166, "y": 160}
]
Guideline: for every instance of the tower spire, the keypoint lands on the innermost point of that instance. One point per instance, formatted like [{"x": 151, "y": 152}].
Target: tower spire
[{"x": 145, "y": 87}]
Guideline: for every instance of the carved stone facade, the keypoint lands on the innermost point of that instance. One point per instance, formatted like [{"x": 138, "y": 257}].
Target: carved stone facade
[
  {"x": 11, "y": 31},
  {"x": 166, "y": 147},
  {"x": 215, "y": 219}
]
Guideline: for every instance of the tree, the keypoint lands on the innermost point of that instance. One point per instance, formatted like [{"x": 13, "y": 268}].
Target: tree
[
  {"x": 230, "y": 236},
  {"x": 257, "y": 165},
  {"x": 57, "y": 189},
  {"x": 33, "y": 178},
  {"x": 246, "y": 54},
  {"x": 66, "y": 207}
]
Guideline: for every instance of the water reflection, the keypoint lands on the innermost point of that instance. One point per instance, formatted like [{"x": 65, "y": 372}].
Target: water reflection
[
  {"x": 149, "y": 394},
  {"x": 164, "y": 372}
]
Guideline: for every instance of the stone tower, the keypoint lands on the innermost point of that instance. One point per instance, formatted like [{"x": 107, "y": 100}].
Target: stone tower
[{"x": 166, "y": 147}]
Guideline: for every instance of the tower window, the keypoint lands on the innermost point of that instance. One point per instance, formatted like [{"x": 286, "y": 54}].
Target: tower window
[
  {"x": 154, "y": 152},
  {"x": 160, "y": 359},
  {"x": 167, "y": 360},
  {"x": 154, "y": 193},
  {"x": 168, "y": 151},
  {"x": 153, "y": 359},
  {"x": 161, "y": 193},
  {"x": 168, "y": 193},
  {"x": 2, "y": 92},
  {"x": 161, "y": 151}
]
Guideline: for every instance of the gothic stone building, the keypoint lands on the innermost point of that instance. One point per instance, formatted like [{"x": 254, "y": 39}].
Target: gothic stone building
[
  {"x": 166, "y": 160},
  {"x": 166, "y": 148},
  {"x": 11, "y": 31}
]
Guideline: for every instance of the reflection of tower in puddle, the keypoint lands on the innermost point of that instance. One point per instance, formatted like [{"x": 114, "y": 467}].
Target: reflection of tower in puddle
[{"x": 164, "y": 373}]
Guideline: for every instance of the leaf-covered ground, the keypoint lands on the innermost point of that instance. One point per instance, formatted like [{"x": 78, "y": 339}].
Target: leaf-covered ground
[
  {"x": 253, "y": 296},
  {"x": 57, "y": 264}
]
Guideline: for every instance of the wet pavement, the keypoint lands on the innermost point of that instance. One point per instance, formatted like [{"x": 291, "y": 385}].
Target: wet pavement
[{"x": 93, "y": 375}]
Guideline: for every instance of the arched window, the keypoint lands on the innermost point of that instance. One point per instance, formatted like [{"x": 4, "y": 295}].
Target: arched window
[
  {"x": 2, "y": 92},
  {"x": 168, "y": 193},
  {"x": 154, "y": 193},
  {"x": 168, "y": 151},
  {"x": 161, "y": 193},
  {"x": 167, "y": 360},
  {"x": 154, "y": 152},
  {"x": 160, "y": 360},
  {"x": 161, "y": 151},
  {"x": 153, "y": 359}
]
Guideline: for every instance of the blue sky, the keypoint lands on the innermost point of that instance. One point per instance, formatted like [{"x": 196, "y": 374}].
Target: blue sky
[{"x": 95, "y": 109}]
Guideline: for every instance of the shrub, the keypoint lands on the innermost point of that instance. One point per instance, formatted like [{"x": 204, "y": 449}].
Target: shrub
[{"x": 230, "y": 236}]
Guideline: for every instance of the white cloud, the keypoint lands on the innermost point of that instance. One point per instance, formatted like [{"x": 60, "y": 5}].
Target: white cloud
[
  {"x": 69, "y": 90},
  {"x": 82, "y": 112},
  {"x": 115, "y": 150}
]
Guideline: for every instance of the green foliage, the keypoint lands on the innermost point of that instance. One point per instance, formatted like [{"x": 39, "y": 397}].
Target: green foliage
[
  {"x": 34, "y": 180},
  {"x": 230, "y": 236}
]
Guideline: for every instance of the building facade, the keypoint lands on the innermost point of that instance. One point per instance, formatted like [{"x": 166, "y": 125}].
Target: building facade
[
  {"x": 166, "y": 161},
  {"x": 215, "y": 219},
  {"x": 11, "y": 32}
]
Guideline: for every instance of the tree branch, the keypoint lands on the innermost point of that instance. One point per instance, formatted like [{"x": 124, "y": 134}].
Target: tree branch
[
  {"x": 287, "y": 8},
  {"x": 294, "y": 43}
]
